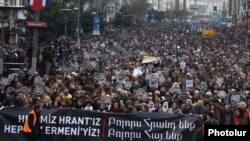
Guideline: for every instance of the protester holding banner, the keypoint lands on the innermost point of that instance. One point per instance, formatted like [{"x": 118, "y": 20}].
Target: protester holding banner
[{"x": 174, "y": 109}]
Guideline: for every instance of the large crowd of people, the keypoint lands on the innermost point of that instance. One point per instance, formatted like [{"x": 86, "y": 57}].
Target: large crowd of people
[{"x": 108, "y": 73}]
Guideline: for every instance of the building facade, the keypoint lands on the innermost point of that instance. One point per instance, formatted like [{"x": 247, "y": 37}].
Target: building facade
[{"x": 14, "y": 13}]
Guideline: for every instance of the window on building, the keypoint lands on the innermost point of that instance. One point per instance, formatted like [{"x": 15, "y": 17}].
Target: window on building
[{"x": 11, "y": 2}]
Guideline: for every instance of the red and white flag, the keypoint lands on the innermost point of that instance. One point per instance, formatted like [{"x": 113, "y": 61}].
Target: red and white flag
[{"x": 37, "y": 5}]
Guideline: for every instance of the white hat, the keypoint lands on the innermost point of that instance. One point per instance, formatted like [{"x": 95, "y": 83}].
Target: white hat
[{"x": 209, "y": 94}]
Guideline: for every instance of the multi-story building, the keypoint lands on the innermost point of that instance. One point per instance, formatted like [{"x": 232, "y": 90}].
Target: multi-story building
[
  {"x": 14, "y": 16},
  {"x": 159, "y": 5},
  {"x": 238, "y": 9}
]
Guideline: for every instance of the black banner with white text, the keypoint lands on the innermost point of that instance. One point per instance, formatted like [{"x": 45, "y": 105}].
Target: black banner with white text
[{"x": 79, "y": 125}]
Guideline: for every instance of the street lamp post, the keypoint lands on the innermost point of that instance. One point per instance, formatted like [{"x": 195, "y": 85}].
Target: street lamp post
[
  {"x": 65, "y": 21},
  {"x": 246, "y": 23},
  {"x": 78, "y": 25}
]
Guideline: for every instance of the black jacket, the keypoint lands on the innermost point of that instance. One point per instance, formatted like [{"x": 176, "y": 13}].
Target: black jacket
[{"x": 36, "y": 129}]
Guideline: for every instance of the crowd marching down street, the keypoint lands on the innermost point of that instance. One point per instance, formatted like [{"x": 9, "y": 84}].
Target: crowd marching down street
[{"x": 138, "y": 69}]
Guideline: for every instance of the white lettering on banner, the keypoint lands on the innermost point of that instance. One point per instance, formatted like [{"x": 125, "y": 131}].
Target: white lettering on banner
[
  {"x": 49, "y": 119},
  {"x": 91, "y": 132},
  {"x": 124, "y": 123},
  {"x": 62, "y": 130},
  {"x": 159, "y": 124},
  {"x": 21, "y": 118},
  {"x": 161, "y": 136},
  {"x": 173, "y": 136},
  {"x": 124, "y": 135},
  {"x": 14, "y": 129},
  {"x": 156, "y": 136},
  {"x": 79, "y": 120},
  {"x": 186, "y": 125}
]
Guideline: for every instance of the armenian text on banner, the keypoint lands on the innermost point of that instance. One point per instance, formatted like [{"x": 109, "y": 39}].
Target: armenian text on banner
[{"x": 79, "y": 125}]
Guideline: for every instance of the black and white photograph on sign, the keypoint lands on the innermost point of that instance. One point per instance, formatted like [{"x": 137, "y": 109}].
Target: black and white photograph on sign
[
  {"x": 137, "y": 72},
  {"x": 222, "y": 94},
  {"x": 11, "y": 77},
  {"x": 4, "y": 81},
  {"x": 9, "y": 90},
  {"x": 144, "y": 98},
  {"x": 242, "y": 93},
  {"x": 140, "y": 92},
  {"x": 189, "y": 83},
  {"x": 203, "y": 86},
  {"x": 120, "y": 78},
  {"x": 127, "y": 85},
  {"x": 102, "y": 78},
  {"x": 153, "y": 83},
  {"x": 235, "y": 97},
  {"x": 24, "y": 90},
  {"x": 175, "y": 86},
  {"x": 120, "y": 86},
  {"x": 161, "y": 79},
  {"x": 184, "y": 96},
  {"x": 38, "y": 90},
  {"x": 219, "y": 80},
  {"x": 75, "y": 57},
  {"x": 183, "y": 65},
  {"x": 38, "y": 80},
  {"x": 192, "y": 71},
  {"x": 233, "y": 103}
]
